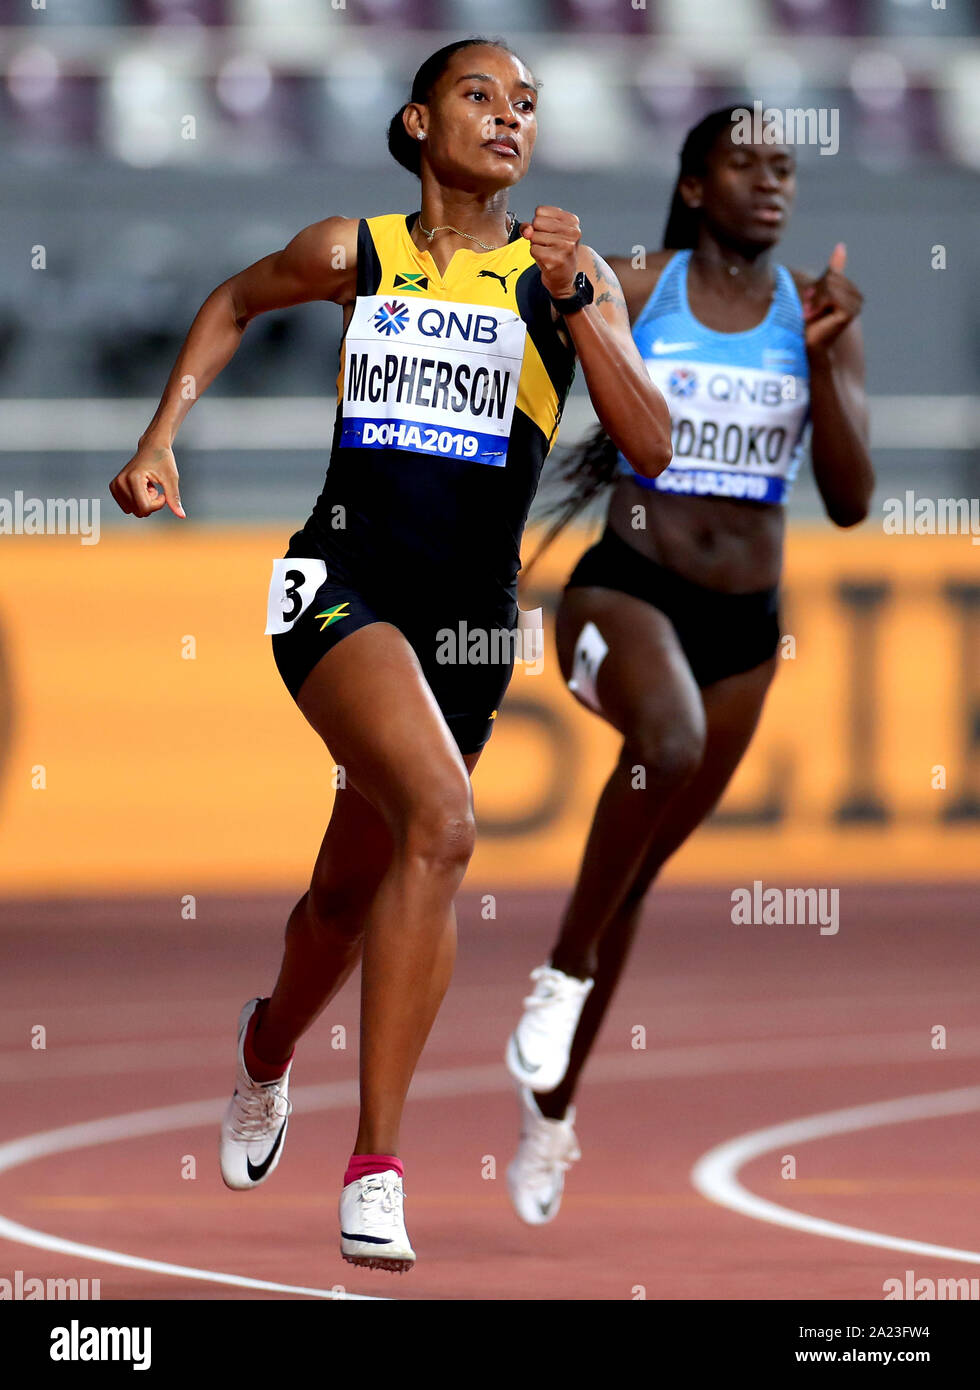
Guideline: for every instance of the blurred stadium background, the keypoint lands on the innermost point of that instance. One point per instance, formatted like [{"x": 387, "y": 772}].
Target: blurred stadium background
[{"x": 174, "y": 765}]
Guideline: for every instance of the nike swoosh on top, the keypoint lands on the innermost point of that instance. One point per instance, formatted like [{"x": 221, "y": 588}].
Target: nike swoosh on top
[
  {"x": 256, "y": 1172},
  {"x": 371, "y": 1240},
  {"x": 659, "y": 346}
]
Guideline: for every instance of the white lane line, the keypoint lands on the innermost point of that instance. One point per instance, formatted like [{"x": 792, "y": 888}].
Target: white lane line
[
  {"x": 764, "y": 1055},
  {"x": 133, "y": 1126},
  {"x": 715, "y": 1175},
  {"x": 10, "y": 1230}
]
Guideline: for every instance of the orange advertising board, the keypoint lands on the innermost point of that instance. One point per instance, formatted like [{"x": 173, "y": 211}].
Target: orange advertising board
[{"x": 148, "y": 744}]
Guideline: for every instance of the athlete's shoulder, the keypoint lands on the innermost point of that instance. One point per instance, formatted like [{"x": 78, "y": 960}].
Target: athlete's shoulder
[
  {"x": 330, "y": 232},
  {"x": 321, "y": 253}
]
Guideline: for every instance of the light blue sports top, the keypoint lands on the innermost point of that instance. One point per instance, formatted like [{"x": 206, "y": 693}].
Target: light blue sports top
[{"x": 739, "y": 402}]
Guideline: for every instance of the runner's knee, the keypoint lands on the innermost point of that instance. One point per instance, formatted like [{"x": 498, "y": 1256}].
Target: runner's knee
[
  {"x": 439, "y": 827},
  {"x": 669, "y": 750}
]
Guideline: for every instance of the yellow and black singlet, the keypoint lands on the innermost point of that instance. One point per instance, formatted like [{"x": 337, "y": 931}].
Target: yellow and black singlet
[{"x": 450, "y": 392}]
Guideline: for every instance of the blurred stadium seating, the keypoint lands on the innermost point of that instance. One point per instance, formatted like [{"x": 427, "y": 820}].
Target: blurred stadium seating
[{"x": 289, "y": 103}]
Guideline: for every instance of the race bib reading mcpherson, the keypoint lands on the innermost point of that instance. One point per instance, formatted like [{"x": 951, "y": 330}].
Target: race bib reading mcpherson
[{"x": 431, "y": 377}]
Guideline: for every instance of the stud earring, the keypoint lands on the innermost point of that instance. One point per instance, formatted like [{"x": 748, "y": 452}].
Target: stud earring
[{"x": 421, "y": 134}]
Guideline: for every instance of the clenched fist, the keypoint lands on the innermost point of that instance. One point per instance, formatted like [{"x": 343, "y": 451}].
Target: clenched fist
[
  {"x": 554, "y": 236},
  {"x": 148, "y": 482}
]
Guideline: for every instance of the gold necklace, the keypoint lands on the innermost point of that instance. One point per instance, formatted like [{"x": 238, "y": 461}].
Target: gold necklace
[{"x": 511, "y": 219}]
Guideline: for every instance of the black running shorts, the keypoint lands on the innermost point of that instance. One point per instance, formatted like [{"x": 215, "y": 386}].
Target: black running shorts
[
  {"x": 314, "y": 603},
  {"x": 720, "y": 634}
]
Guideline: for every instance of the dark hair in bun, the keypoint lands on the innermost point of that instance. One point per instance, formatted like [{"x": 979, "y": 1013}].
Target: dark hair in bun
[{"x": 400, "y": 144}]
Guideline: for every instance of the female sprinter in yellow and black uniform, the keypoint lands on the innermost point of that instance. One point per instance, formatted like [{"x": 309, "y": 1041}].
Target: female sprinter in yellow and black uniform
[
  {"x": 450, "y": 389},
  {"x": 668, "y": 626},
  {"x": 461, "y": 333}
]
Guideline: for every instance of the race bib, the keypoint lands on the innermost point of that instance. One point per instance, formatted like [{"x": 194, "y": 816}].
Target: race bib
[
  {"x": 292, "y": 589},
  {"x": 530, "y": 626},
  {"x": 735, "y": 431},
  {"x": 590, "y": 652},
  {"x": 431, "y": 377}
]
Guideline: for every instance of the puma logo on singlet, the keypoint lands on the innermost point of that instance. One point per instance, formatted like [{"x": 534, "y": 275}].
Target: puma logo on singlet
[{"x": 492, "y": 275}]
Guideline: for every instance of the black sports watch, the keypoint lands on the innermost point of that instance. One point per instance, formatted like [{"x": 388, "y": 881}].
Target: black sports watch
[{"x": 584, "y": 294}]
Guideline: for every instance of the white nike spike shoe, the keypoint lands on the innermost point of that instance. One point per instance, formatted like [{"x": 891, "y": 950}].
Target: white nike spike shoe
[
  {"x": 372, "y": 1223},
  {"x": 254, "y": 1126},
  {"x": 547, "y": 1149},
  {"x": 539, "y": 1047}
]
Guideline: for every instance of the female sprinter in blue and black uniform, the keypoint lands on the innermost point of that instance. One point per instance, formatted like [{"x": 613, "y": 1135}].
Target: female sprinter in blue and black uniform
[
  {"x": 461, "y": 331},
  {"x": 668, "y": 627}
]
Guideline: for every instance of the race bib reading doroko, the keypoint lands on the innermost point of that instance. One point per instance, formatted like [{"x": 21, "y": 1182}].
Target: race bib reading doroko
[{"x": 735, "y": 431}]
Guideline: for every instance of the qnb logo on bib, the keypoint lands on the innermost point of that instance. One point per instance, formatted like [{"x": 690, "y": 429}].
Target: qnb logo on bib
[
  {"x": 391, "y": 317},
  {"x": 683, "y": 382},
  {"x": 752, "y": 388},
  {"x": 432, "y": 378},
  {"x": 452, "y": 326}
]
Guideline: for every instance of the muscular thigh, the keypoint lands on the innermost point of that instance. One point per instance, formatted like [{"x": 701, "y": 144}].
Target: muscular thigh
[
  {"x": 411, "y": 741},
  {"x": 733, "y": 707},
  {"x": 621, "y": 657},
  {"x": 369, "y": 701}
]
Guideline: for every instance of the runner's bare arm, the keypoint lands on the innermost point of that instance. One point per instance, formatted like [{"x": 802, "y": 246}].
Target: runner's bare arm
[
  {"x": 630, "y": 408},
  {"x": 319, "y": 263},
  {"x": 839, "y": 446}
]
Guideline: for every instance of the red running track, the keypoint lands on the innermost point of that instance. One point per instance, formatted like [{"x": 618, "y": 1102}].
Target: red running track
[{"x": 746, "y": 1027}]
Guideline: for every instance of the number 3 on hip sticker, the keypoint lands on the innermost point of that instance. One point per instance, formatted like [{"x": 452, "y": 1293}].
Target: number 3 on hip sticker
[{"x": 292, "y": 589}]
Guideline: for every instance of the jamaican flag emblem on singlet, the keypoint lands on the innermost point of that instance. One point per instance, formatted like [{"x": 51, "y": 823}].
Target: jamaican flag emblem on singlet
[{"x": 412, "y": 282}]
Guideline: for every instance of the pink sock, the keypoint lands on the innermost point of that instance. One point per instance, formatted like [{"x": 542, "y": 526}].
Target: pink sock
[
  {"x": 257, "y": 1067},
  {"x": 361, "y": 1165}
]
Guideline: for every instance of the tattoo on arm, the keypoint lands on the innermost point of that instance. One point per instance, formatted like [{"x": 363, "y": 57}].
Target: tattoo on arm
[{"x": 609, "y": 290}]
